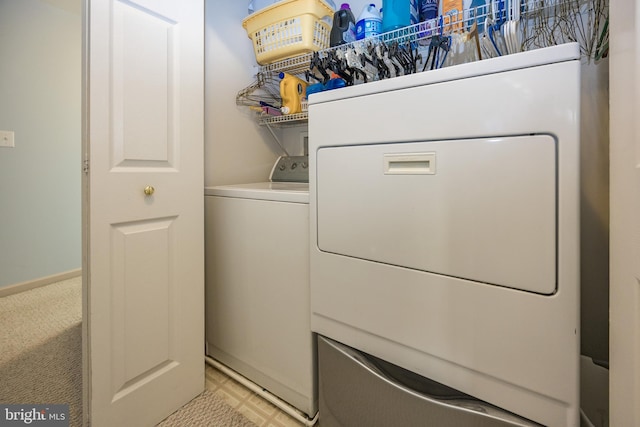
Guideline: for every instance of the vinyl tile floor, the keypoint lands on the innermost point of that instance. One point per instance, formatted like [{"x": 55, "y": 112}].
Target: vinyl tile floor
[{"x": 255, "y": 408}]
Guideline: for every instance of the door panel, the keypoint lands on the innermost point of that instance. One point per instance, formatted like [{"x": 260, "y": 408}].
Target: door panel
[
  {"x": 478, "y": 209},
  {"x": 143, "y": 338},
  {"x": 143, "y": 216},
  {"x": 144, "y": 84}
]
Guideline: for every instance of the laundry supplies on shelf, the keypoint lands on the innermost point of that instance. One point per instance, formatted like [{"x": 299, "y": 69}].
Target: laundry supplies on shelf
[
  {"x": 369, "y": 22},
  {"x": 292, "y": 91},
  {"x": 398, "y": 14},
  {"x": 482, "y": 30},
  {"x": 344, "y": 26}
]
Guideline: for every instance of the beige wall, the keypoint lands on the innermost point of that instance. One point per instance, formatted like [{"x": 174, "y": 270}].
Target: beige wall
[
  {"x": 594, "y": 211},
  {"x": 237, "y": 149}
]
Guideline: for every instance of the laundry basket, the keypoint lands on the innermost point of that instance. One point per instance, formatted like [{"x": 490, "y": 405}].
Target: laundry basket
[{"x": 289, "y": 28}]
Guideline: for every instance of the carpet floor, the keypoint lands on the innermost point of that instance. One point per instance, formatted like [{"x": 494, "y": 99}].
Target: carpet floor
[
  {"x": 41, "y": 358},
  {"x": 41, "y": 342},
  {"x": 206, "y": 410}
]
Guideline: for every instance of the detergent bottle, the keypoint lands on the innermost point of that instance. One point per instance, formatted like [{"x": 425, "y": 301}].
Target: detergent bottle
[
  {"x": 427, "y": 12},
  {"x": 369, "y": 22},
  {"x": 344, "y": 26},
  {"x": 428, "y": 9},
  {"x": 292, "y": 91},
  {"x": 397, "y": 14}
]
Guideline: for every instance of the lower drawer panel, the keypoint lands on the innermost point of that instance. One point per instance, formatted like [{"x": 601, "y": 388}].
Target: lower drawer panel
[{"x": 359, "y": 390}]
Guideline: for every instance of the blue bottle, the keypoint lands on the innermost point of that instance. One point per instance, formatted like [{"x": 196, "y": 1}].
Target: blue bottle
[
  {"x": 428, "y": 9},
  {"x": 397, "y": 14}
]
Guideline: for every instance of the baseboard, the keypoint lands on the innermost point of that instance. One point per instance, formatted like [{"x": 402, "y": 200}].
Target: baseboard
[{"x": 36, "y": 283}]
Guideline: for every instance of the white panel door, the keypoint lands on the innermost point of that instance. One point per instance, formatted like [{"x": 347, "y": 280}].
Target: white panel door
[{"x": 143, "y": 209}]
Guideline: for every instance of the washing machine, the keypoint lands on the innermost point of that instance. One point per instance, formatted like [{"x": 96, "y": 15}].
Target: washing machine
[{"x": 257, "y": 284}]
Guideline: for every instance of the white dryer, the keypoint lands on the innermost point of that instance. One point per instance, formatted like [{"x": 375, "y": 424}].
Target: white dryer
[
  {"x": 445, "y": 234},
  {"x": 257, "y": 287}
]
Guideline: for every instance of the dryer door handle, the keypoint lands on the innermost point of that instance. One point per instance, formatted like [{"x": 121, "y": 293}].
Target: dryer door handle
[{"x": 410, "y": 164}]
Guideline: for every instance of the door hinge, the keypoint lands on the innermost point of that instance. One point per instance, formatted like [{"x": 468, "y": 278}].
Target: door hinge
[{"x": 85, "y": 166}]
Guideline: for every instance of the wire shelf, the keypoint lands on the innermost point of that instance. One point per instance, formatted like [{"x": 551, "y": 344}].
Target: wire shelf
[
  {"x": 291, "y": 119},
  {"x": 542, "y": 23},
  {"x": 295, "y": 65}
]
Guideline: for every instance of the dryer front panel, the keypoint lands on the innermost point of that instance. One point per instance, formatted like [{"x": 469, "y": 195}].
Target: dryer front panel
[
  {"x": 445, "y": 239},
  {"x": 477, "y": 209}
]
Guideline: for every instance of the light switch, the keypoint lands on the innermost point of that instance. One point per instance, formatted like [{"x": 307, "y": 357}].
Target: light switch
[{"x": 7, "y": 138}]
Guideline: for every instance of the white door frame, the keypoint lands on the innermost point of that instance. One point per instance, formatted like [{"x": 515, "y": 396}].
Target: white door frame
[{"x": 624, "y": 310}]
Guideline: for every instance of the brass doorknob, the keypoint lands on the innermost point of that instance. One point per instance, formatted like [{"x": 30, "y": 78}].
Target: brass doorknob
[{"x": 149, "y": 190}]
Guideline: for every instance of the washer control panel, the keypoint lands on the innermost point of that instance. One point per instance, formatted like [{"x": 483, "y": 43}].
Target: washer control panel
[{"x": 291, "y": 169}]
